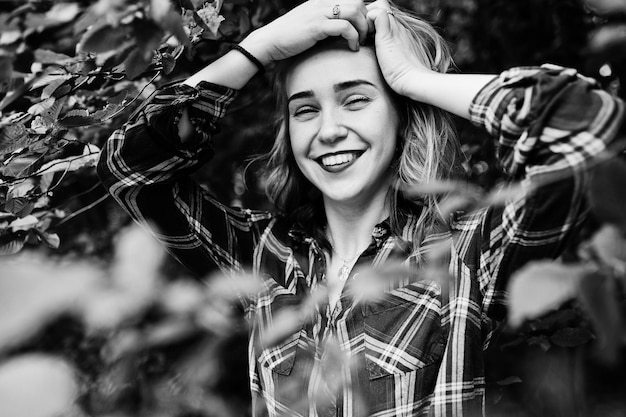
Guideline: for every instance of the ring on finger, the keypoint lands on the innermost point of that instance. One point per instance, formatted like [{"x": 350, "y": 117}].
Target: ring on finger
[
  {"x": 336, "y": 11},
  {"x": 390, "y": 12}
]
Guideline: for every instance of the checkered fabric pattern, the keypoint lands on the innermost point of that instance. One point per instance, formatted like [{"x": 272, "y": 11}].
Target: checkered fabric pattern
[{"x": 417, "y": 350}]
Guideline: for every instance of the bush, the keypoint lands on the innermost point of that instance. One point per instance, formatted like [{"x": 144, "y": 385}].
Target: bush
[{"x": 89, "y": 309}]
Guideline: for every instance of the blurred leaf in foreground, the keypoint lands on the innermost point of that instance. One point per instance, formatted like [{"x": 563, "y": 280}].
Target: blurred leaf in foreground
[
  {"x": 606, "y": 6},
  {"x": 608, "y": 182},
  {"x": 33, "y": 292},
  {"x": 609, "y": 245},
  {"x": 37, "y": 386},
  {"x": 541, "y": 287},
  {"x": 597, "y": 296},
  {"x": 135, "y": 279}
]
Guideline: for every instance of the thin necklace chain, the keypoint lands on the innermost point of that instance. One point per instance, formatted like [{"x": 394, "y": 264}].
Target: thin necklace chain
[{"x": 346, "y": 264}]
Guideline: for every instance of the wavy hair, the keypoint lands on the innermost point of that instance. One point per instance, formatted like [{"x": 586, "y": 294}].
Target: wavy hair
[{"x": 428, "y": 148}]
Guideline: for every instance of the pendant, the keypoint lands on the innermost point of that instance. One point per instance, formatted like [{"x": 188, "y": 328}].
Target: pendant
[{"x": 344, "y": 272}]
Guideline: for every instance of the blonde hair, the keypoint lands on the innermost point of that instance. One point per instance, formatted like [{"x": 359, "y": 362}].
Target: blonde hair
[{"x": 428, "y": 148}]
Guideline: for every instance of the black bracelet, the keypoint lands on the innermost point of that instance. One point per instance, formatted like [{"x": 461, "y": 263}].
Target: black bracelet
[{"x": 251, "y": 57}]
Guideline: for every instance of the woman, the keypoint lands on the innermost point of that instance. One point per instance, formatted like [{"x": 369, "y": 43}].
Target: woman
[{"x": 359, "y": 123}]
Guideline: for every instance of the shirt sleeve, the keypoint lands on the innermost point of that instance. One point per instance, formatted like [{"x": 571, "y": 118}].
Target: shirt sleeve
[
  {"x": 550, "y": 124},
  {"x": 146, "y": 168}
]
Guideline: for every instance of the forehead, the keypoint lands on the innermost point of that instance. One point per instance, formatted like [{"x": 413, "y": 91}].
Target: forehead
[{"x": 325, "y": 68}]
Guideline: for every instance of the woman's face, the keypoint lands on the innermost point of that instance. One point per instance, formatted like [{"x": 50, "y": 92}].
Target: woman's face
[{"x": 343, "y": 126}]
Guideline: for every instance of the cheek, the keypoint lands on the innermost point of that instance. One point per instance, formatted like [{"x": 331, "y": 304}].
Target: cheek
[{"x": 298, "y": 142}]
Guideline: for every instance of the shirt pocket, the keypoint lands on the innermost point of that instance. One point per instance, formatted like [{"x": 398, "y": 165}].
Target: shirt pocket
[
  {"x": 403, "y": 331},
  {"x": 279, "y": 329},
  {"x": 281, "y": 357}
]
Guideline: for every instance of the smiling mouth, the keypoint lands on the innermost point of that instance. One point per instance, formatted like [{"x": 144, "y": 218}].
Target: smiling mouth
[{"x": 338, "y": 161}]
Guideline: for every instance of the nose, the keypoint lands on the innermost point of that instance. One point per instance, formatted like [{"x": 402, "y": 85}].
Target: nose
[{"x": 331, "y": 129}]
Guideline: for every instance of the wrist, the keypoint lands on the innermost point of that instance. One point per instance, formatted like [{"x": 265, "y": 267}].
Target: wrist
[
  {"x": 257, "y": 47},
  {"x": 422, "y": 84}
]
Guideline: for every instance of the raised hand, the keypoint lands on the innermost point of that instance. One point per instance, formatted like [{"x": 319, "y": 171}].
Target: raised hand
[
  {"x": 307, "y": 24},
  {"x": 401, "y": 60}
]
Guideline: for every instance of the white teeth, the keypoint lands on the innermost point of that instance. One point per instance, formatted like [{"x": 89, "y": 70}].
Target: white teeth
[{"x": 337, "y": 159}]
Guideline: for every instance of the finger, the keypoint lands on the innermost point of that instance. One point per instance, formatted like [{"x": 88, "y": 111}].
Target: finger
[
  {"x": 380, "y": 20},
  {"x": 343, "y": 28},
  {"x": 379, "y": 4},
  {"x": 362, "y": 24},
  {"x": 355, "y": 14}
]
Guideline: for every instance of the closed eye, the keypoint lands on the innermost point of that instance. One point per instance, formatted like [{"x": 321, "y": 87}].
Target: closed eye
[
  {"x": 357, "y": 102},
  {"x": 304, "y": 111}
]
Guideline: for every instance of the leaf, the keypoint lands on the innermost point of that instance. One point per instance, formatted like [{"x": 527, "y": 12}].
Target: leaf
[
  {"x": 160, "y": 9},
  {"x": 50, "y": 116},
  {"x": 23, "y": 166},
  {"x": 607, "y": 40},
  {"x": 49, "y": 90},
  {"x": 608, "y": 202},
  {"x": 76, "y": 118},
  {"x": 540, "y": 287},
  {"x": 503, "y": 195},
  {"x": 28, "y": 141},
  {"x": 171, "y": 22},
  {"x": 118, "y": 98},
  {"x": 47, "y": 288},
  {"x": 109, "y": 308},
  {"x": 11, "y": 134},
  {"x": 103, "y": 38},
  {"x": 69, "y": 164},
  {"x": 42, "y": 106},
  {"x": 76, "y": 121},
  {"x": 20, "y": 206},
  {"x": 47, "y": 79},
  {"x": 571, "y": 337},
  {"x": 13, "y": 245},
  {"x": 138, "y": 257},
  {"x": 49, "y": 379},
  {"x": 136, "y": 63},
  {"x": 11, "y": 84},
  {"x": 63, "y": 12},
  {"x": 285, "y": 323},
  {"x": 110, "y": 60},
  {"x": 168, "y": 62},
  {"x": 104, "y": 114},
  {"x": 598, "y": 296},
  {"x": 168, "y": 332},
  {"x": 51, "y": 240},
  {"x": 244, "y": 21},
  {"x": 442, "y": 187},
  {"x": 509, "y": 381},
  {"x": 45, "y": 182},
  {"x": 609, "y": 245},
  {"x": 231, "y": 287},
  {"x": 181, "y": 297},
  {"x": 7, "y": 37},
  {"x": 542, "y": 341},
  {"x": 46, "y": 56},
  {"x": 16, "y": 95},
  {"x": 25, "y": 223},
  {"x": 606, "y": 6},
  {"x": 62, "y": 91}
]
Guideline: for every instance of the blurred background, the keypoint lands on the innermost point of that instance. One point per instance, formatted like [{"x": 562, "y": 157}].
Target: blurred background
[{"x": 96, "y": 321}]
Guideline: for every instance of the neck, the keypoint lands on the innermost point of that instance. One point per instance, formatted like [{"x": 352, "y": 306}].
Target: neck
[{"x": 350, "y": 225}]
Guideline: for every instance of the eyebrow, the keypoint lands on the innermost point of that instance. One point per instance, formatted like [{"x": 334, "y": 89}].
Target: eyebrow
[{"x": 344, "y": 85}]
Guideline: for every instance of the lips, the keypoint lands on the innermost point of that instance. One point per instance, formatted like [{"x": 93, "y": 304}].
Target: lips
[{"x": 338, "y": 161}]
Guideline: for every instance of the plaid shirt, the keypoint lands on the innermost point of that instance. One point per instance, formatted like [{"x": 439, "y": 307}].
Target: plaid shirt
[{"x": 418, "y": 350}]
